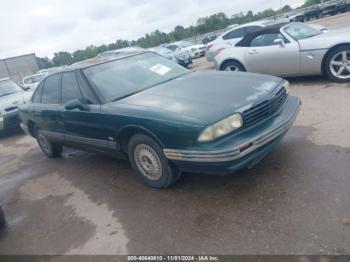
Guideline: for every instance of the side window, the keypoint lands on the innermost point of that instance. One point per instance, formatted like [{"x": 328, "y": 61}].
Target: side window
[
  {"x": 37, "y": 95},
  {"x": 172, "y": 47},
  {"x": 51, "y": 90},
  {"x": 266, "y": 39},
  {"x": 86, "y": 90},
  {"x": 238, "y": 33},
  {"x": 70, "y": 87}
]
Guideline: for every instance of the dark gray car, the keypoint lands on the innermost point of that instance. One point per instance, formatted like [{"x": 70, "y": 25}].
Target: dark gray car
[{"x": 11, "y": 96}]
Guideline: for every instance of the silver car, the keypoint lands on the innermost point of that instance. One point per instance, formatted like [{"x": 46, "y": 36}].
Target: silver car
[
  {"x": 233, "y": 35},
  {"x": 294, "y": 49}
]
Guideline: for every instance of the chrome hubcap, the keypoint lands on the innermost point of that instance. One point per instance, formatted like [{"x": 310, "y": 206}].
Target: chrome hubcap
[
  {"x": 232, "y": 68},
  {"x": 340, "y": 65},
  {"x": 43, "y": 142},
  {"x": 148, "y": 162}
]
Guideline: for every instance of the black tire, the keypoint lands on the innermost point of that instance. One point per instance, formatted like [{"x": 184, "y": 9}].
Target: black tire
[
  {"x": 232, "y": 64},
  {"x": 50, "y": 149},
  {"x": 328, "y": 67},
  {"x": 164, "y": 174},
  {"x": 2, "y": 219}
]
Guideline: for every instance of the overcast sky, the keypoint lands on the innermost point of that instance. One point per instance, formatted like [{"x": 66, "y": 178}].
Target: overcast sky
[{"x": 48, "y": 26}]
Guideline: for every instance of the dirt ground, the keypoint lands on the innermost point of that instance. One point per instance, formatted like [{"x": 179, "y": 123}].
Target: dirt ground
[{"x": 296, "y": 201}]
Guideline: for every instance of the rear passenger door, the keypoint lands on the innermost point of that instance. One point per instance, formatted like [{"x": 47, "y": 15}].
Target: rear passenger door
[
  {"x": 83, "y": 127},
  {"x": 50, "y": 108}
]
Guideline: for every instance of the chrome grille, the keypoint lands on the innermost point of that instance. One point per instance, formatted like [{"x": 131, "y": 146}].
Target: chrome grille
[{"x": 260, "y": 111}]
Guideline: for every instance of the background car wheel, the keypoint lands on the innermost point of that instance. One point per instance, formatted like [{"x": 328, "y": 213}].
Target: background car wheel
[
  {"x": 337, "y": 64},
  {"x": 232, "y": 66},
  {"x": 50, "y": 149},
  {"x": 2, "y": 219},
  {"x": 150, "y": 164}
]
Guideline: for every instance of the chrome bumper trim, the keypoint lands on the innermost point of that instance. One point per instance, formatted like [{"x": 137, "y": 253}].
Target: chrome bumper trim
[{"x": 232, "y": 153}]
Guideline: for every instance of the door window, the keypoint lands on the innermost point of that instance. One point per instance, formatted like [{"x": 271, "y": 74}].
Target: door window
[
  {"x": 266, "y": 39},
  {"x": 86, "y": 90},
  {"x": 70, "y": 87},
  {"x": 37, "y": 94},
  {"x": 51, "y": 90},
  {"x": 238, "y": 33}
]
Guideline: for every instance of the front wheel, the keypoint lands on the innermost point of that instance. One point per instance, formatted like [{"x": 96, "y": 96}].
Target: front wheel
[
  {"x": 232, "y": 66},
  {"x": 150, "y": 164},
  {"x": 337, "y": 64},
  {"x": 50, "y": 149}
]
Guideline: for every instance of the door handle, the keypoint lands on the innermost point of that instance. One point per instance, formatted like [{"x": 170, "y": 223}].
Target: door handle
[{"x": 252, "y": 52}]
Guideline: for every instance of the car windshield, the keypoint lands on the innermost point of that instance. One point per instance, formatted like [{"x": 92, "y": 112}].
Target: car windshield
[
  {"x": 8, "y": 87},
  {"x": 301, "y": 31},
  {"x": 121, "y": 78},
  {"x": 185, "y": 44},
  {"x": 33, "y": 79}
]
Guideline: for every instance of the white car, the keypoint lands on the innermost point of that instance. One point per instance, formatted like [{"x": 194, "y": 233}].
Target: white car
[
  {"x": 195, "y": 51},
  {"x": 31, "y": 82},
  {"x": 233, "y": 36}
]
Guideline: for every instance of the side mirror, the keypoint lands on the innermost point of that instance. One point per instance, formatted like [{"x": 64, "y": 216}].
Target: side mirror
[
  {"x": 279, "y": 42},
  {"x": 76, "y": 104}
]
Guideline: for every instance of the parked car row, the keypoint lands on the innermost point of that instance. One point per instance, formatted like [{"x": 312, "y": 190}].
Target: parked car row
[
  {"x": 332, "y": 7},
  {"x": 194, "y": 50},
  {"x": 181, "y": 57}
]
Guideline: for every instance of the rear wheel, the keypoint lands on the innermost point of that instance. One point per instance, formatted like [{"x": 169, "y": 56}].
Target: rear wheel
[
  {"x": 337, "y": 64},
  {"x": 149, "y": 162},
  {"x": 232, "y": 66},
  {"x": 50, "y": 149}
]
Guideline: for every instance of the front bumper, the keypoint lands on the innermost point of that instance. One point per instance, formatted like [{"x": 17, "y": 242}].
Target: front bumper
[
  {"x": 198, "y": 53},
  {"x": 244, "y": 152},
  {"x": 9, "y": 121},
  {"x": 185, "y": 62}
]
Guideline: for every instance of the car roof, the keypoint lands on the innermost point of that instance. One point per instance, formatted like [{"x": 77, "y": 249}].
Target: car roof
[
  {"x": 269, "y": 29},
  {"x": 261, "y": 23},
  {"x": 101, "y": 59}
]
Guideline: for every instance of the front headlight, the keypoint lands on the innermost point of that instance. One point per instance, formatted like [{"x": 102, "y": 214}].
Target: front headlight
[{"x": 221, "y": 128}]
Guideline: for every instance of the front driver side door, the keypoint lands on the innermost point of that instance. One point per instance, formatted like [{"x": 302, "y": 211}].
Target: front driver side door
[
  {"x": 263, "y": 55},
  {"x": 84, "y": 127}
]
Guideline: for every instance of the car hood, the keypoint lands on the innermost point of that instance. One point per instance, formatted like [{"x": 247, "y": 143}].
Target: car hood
[
  {"x": 326, "y": 40},
  {"x": 205, "y": 96},
  {"x": 10, "y": 101}
]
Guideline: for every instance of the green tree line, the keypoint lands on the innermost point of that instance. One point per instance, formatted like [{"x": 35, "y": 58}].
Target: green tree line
[{"x": 203, "y": 25}]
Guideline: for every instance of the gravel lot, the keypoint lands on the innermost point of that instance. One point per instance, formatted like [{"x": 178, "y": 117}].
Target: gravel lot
[{"x": 296, "y": 201}]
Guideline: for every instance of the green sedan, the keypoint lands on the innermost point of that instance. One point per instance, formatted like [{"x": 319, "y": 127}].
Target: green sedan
[{"x": 161, "y": 117}]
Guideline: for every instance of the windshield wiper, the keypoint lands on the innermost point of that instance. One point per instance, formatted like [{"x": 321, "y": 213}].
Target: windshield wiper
[{"x": 125, "y": 96}]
